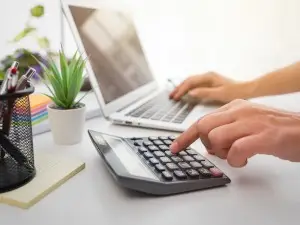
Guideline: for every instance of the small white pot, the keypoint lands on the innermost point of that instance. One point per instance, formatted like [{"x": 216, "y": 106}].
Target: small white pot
[{"x": 67, "y": 126}]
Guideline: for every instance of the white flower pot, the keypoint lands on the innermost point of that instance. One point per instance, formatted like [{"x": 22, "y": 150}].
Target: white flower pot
[{"x": 67, "y": 126}]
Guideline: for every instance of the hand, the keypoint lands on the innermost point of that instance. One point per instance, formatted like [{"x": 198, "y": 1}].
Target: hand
[
  {"x": 240, "y": 130},
  {"x": 209, "y": 87}
]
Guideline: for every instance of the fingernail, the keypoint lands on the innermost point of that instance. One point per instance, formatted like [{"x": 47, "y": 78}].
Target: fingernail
[{"x": 174, "y": 147}]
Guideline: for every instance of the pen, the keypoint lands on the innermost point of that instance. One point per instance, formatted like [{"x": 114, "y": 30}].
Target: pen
[
  {"x": 12, "y": 80},
  {"x": 3, "y": 87},
  {"x": 24, "y": 80}
]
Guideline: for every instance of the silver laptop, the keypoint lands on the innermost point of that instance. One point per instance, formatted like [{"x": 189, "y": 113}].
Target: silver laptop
[{"x": 119, "y": 73}]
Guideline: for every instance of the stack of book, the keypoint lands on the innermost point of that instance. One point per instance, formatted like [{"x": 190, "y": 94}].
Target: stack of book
[{"x": 39, "y": 113}]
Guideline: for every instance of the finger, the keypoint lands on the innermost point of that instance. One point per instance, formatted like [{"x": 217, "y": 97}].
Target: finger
[
  {"x": 204, "y": 93},
  {"x": 224, "y": 136},
  {"x": 200, "y": 129},
  {"x": 189, "y": 84},
  {"x": 221, "y": 153},
  {"x": 243, "y": 149}
]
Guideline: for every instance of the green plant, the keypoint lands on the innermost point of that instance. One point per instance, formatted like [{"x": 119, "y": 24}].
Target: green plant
[
  {"x": 36, "y": 12},
  {"x": 65, "y": 80}
]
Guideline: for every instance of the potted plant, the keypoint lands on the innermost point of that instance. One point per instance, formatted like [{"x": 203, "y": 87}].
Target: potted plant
[{"x": 64, "y": 80}]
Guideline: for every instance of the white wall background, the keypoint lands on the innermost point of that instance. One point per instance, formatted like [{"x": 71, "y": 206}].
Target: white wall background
[{"x": 239, "y": 38}]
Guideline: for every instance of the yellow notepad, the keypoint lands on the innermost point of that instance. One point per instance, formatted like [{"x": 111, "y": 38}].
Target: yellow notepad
[{"x": 51, "y": 172}]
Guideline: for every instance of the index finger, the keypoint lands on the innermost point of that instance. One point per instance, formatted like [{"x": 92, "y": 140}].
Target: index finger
[
  {"x": 202, "y": 127},
  {"x": 185, "y": 139}
]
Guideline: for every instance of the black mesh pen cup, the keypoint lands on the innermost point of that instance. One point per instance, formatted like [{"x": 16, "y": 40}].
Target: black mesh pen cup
[{"x": 16, "y": 140}]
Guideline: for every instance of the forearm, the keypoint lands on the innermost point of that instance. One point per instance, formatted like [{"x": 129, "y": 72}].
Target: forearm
[{"x": 282, "y": 81}]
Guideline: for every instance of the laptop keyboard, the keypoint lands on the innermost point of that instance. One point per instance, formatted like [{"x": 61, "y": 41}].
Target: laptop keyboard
[{"x": 161, "y": 108}]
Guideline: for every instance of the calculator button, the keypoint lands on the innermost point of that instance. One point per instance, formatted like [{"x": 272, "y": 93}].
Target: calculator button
[
  {"x": 216, "y": 172},
  {"x": 152, "y": 138},
  {"x": 153, "y": 161},
  {"x": 182, "y": 153},
  {"x": 163, "y": 147},
  {"x": 196, "y": 165},
  {"x": 147, "y": 143},
  {"x": 167, "y": 175},
  {"x": 164, "y": 160},
  {"x": 158, "y": 142},
  {"x": 148, "y": 155},
  {"x": 199, "y": 157},
  {"x": 172, "y": 166},
  {"x": 191, "y": 152},
  {"x": 168, "y": 142},
  {"x": 207, "y": 164},
  {"x": 204, "y": 172},
  {"x": 162, "y": 138},
  {"x": 188, "y": 158},
  {"x": 136, "y": 143},
  {"x": 184, "y": 165},
  {"x": 192, "y": 173},
  {"x": 169, "y": 153},
  {"x": 142, "y": 149},
  {"x": 172, "y": 138},
  {"x": 152, "y": 148},
  {"x": 159, "y": 154},
  {"x": 176, "y": 159},
  {"x": 179, "y": 174},
  {"x": 159, "y": 167}
]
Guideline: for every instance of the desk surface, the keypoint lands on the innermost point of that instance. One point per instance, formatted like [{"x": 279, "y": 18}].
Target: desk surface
[{"x": 265, "y": 192}]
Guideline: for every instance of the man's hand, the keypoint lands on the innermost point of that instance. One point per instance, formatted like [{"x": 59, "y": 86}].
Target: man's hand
[
  {"x": 239, "y": 130},
  {"x": 211, "y": 87}
]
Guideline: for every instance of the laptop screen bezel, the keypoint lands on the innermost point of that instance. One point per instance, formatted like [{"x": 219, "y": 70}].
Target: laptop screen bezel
[{"x": 106, "y": 108}]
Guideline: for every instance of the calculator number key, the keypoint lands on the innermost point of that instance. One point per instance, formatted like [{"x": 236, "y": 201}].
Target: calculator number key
[
  {"x": 159, "y": 167},
  {"x": 148, "y": 155},
  {"x": 153, "y": 161},
  {"x": 142, "y": 149},
  {"x": 163, "y": 147},
  {"x": 184, "y": 165},
  {"x": 204, "y": 172},
  {"x": 199, "y": 158},
  {"x": 196, "y": 165},
  {"x": 168, "y": 142},
  {"x": 147, "y": 143},
  {"x": 159, "y": 154},
  {"x": 176, "y": 159},
  {"x": 207, "y": 164},
  {"x": 191, "y": 152},
  {"x": 188, "y": 158},
  {"x": 172, "y": 166},
  {"x": 192, "y": 173},
  {"x": 158, "y": 142},
  {"x": 165, "y": 160},
  {"x": 180, "y": 175},
  {"x": 152, "y": 148},
  {"x": 167, "y": 176}
]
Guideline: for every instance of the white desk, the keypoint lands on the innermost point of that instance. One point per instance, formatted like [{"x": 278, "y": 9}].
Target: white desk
[{"x": 266, "y": 192}]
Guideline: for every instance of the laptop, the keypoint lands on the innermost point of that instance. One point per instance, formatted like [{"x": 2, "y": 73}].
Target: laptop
[{"x": 119, "y": 72}]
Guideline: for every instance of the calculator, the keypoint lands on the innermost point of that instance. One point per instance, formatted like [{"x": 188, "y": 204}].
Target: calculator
[{"x": 146, "y": 164}]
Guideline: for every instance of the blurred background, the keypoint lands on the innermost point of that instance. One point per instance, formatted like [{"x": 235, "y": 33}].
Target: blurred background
[{"x": 238, "y": 38}]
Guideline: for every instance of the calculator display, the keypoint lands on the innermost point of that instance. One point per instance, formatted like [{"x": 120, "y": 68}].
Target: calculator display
[{"x": 128, "y": 158}]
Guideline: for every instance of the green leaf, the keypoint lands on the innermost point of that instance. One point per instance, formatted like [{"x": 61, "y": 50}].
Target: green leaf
[
  {"x": 24, "y": 33},
  {"x": 44, "y": 42},
  {"x": 2, "y": 75},
  {"x": 37, "y": 11}
]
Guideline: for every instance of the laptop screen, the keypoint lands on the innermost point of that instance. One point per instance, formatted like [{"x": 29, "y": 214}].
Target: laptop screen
[{"x": 115, "y": 53}]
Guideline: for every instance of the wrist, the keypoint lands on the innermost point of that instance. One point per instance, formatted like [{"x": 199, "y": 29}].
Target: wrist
[{"x": 247, "y": 90}]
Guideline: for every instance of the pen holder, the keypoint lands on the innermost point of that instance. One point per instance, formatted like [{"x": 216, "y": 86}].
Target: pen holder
[{"x": 16, "y": 141}]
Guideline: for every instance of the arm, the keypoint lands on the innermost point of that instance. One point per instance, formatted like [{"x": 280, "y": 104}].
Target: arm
[{"x": 281, "y": 81}]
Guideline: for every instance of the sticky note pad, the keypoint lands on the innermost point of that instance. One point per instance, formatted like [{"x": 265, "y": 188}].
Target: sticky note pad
[{"x": 51, "y": 172}]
